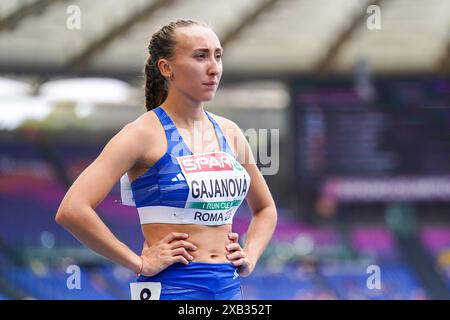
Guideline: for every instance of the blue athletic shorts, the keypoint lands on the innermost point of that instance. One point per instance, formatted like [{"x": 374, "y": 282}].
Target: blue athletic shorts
[{"x": 195, "y": 281}]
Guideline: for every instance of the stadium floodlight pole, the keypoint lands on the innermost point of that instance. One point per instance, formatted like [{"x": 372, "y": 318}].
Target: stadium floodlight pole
[
  {"x": 80, "y": 61},
  {"x": 13, "y": 19},
  {"x": 324, "y": 64}
]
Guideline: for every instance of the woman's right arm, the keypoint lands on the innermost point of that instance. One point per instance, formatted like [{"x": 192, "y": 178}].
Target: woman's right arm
[{"x": 76, "y": 211}]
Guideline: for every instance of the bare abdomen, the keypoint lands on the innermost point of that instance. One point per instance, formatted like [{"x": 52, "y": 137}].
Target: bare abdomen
[{"x": 209, "y": 240}]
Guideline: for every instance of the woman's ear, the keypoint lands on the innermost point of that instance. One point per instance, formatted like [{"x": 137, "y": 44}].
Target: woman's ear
[{"x": 164, "y": 68}]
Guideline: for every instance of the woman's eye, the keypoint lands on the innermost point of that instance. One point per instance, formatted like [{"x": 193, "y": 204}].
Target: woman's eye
[{"x": 202, "y": 56}]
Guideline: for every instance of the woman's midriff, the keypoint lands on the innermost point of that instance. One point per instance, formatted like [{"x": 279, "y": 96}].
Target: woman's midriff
[{"x": 209, "y": 240}]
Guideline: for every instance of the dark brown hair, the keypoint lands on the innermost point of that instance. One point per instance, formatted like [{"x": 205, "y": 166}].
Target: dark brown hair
[{"x": 162, "y": 45}]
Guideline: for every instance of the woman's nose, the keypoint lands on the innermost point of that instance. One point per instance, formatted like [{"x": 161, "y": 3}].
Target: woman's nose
[{"x": 214, "y": 68}]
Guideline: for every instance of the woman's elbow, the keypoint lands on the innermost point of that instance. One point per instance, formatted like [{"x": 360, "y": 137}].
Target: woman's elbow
[
  {"x": 62, "y": 217},
  {"x": 272, "y": 209},
  {"x": 65, "y": 214},
  {"x": 270, "y": 213}
]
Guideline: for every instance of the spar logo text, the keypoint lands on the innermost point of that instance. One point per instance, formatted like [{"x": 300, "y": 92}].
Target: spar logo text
[{"x": 218, "y": 161}]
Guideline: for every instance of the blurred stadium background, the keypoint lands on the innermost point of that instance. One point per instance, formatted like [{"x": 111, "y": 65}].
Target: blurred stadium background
[{"x": 364, "y": 138}]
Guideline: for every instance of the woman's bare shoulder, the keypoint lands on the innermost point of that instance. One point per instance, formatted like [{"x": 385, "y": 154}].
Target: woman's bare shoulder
[
  {"x": 145, "y": 126},
  {"x": 141, "y": 134}
]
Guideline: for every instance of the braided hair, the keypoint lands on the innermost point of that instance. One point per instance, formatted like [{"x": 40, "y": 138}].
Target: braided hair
[{"x": 161, "y": 45}]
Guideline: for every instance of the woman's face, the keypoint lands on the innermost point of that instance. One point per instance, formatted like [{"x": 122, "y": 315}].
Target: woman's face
[{"x": 197, "y": 63}]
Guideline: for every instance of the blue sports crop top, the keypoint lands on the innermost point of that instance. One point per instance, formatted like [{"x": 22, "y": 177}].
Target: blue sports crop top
[{"x": 186, "y": 188}]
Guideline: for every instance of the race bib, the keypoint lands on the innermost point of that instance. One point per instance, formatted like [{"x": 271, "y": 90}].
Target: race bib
[
  {"x": 145, "y": 290},
  {"x": 217, "y": 183}
]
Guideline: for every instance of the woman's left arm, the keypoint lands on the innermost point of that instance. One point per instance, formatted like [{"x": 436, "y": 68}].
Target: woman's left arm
[{"x": 264, "y": 214}]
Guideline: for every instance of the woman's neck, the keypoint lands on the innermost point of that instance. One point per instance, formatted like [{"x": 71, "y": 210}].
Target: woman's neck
[{"x": 184, "y": 111}]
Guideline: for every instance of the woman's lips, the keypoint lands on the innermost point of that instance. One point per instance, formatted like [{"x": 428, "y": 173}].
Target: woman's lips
[{"x": 210, "y": 86}]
